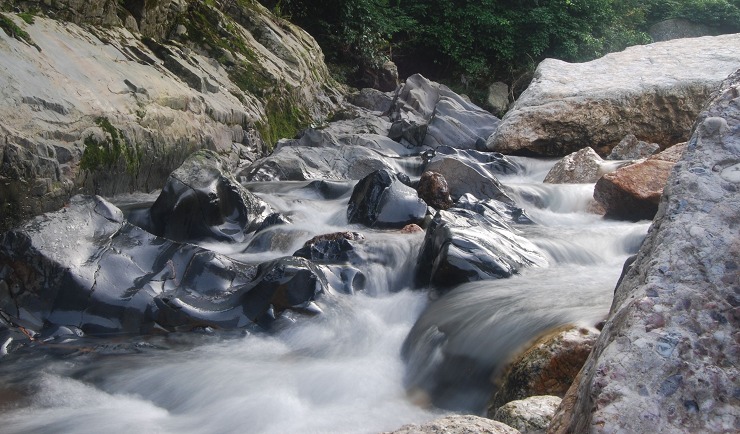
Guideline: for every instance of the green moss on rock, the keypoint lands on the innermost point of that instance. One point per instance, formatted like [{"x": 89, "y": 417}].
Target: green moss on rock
[
  {"x": 283, "y": 119},
  {"x": 110, "y": 152}
]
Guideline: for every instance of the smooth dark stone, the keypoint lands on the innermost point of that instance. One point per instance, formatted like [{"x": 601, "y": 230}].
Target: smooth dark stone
[
  {"x": 201, "y": 202},
  {"x": 86, "y": 267},
  {"x": 381, "y": 200}
]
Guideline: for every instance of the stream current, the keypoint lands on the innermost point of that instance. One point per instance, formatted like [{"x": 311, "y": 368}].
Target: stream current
[{"x": 342, "y": 371}]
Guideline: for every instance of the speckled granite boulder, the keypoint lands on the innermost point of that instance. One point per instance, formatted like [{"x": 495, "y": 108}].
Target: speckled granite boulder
[
  {"x": 668, "y": 357},
  {"x": 457, "y": 425},
  {"x": 531, "y": 415}
]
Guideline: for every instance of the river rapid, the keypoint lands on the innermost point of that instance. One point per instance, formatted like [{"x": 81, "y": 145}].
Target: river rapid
[{"x": 362, "y": 366}]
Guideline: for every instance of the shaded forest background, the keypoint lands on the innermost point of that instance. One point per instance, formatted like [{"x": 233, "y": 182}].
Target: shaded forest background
[{"x": 469, "y": 44}]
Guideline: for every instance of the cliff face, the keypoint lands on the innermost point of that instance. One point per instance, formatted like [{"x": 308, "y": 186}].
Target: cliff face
[
  {"x": 668, "y": 356},
  {"x": 109, "y": 97}
]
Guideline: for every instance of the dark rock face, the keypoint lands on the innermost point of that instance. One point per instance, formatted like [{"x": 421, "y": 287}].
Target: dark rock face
[
  {"x": 201, "y": 202},
  {"x": 430, "y": 114},
  {"x": 668, "y": 355},
  {"x": 463, "y": 245},
  {"x": 433, "y": 189},
  {"x": 468, "y": 171},
  {"x": 381, "y": 200},
  {"x": 113, "y": 277}
]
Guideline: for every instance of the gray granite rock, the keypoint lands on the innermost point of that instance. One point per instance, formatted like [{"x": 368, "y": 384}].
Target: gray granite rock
[
  {"x": 530, "y": 415},
  {"x": 630, "y": 148},
  {"x": 668, "y": 357},
  {"x": 467, "y": 424},
  {"x": 582, "y": 167}
]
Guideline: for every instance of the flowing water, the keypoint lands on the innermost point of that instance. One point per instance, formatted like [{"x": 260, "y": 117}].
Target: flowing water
[{"x": 341, "y": 371}]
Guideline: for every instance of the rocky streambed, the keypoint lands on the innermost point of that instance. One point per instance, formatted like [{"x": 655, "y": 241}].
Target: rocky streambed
[{"x": 384, "y": 268}]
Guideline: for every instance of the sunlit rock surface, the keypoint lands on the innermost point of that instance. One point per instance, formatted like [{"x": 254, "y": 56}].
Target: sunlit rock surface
[
  {"x": 653, "y": 91},
  {"x": 102, "y": 109}
]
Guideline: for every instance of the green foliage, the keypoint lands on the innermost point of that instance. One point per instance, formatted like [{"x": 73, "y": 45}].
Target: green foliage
[
  {"x": 283, "y": 120},
  {"x": 28, "y": 17},
  {"x": 12, "y": 29}
]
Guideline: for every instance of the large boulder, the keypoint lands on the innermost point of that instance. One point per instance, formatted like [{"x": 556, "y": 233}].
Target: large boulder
[
  {"x": 430, "y": 114},
  {"x": 466, "y": 424},
  {"x": 115, "y": 111},
  {"x": 530, "y": 415},
  {"x": 202, "y": 202},
  {"x": 85, "y": 266},
  {"x": 547, "y": 367},
  {"x": 667, "y": 359},
  {"x": 465, "y": 245},
  {"x": 633, "y": 192},
  {"x": 653, "y": 91},
  {"x": 381, "y": 200}
]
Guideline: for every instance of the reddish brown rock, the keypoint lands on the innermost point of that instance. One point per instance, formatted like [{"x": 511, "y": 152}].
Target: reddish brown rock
[
  {"x": 411, "y": 229},
  {"x": 548, "y": 367},
  {"x": 633, "y": 192},
  {"x": 434, "y": 190}
]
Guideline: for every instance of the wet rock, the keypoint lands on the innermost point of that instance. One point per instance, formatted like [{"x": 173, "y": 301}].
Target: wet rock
[
  {"x": 85, "y": 266},
  {"x": 430, "y": 114},
  {"x": 468, "y": 171},
  {"x": 653, "y": 91},
  {"x": 329, "y": 189},
  {"x": 531, "y": 415},
  {"x": 467, "y": 424},
  {"x": 633, "y": 192},
  {"x": 463, "y": 245},
  {"x": 330, "y": 247},
  {"x": 202, "y": 202},
  {"x": 434, "y": 191},
  {"x": 582, "y": 167},
  {"x": 548, "y": 367},
  {"x": 681, "y": 375},
  {"x": 630, "y": 148},
  {"x": 381, "y": 200}
]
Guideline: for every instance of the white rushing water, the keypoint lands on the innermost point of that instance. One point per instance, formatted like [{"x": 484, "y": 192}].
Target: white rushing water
[{"x": 340, "y": 372}]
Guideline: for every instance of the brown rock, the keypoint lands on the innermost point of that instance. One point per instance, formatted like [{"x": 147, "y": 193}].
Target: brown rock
[
  {"x": 633, "y": 192},
  {"x": 434, "y": 190},
  {"x": 548, "y": 367},
  {"x": 411, "y": 229}
]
